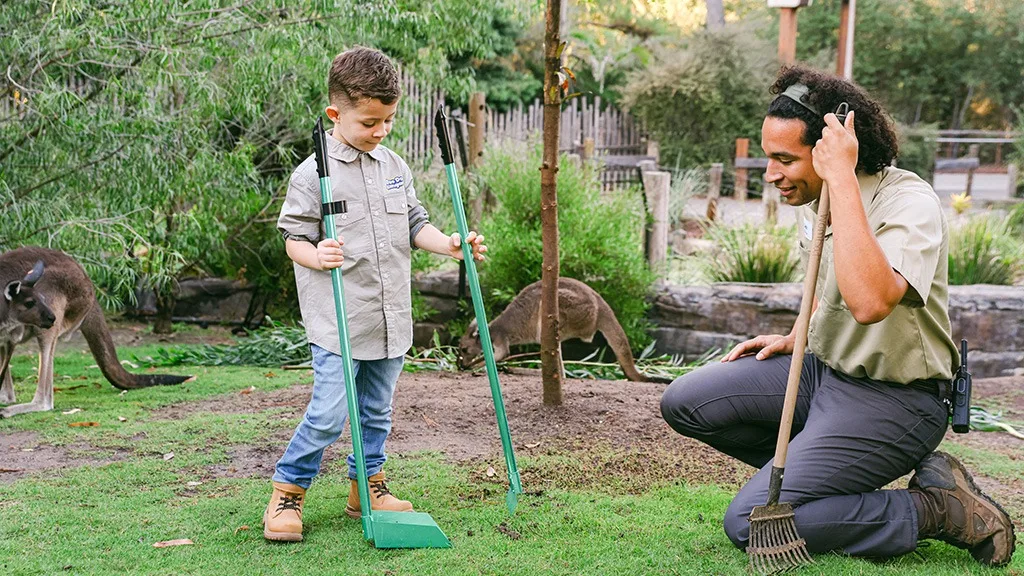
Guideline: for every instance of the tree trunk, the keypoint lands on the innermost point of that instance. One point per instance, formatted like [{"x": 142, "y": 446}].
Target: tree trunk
[
  {"x": 550, "y": 341},
  {"x": 716, "y": 15},
  {"x": 164, "y": 311}
]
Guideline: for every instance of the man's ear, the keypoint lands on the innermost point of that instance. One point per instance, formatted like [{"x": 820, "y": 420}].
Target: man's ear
[
  {"x": 332, "y": 113},
  {"x": 12, "y": 290}
]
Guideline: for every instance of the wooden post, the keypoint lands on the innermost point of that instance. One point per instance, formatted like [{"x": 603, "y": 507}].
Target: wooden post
[
  {"x": 477, "y": 118},
  {"x": 653, "y": 149},
  {"x": 477, "y": 109},
  {"x": 844, "y": 29},
  {"x": 714, "y": 190},
  {"x": 1011, "y": 185},
  {"x": 847, "y": 25},
  {"x": 588, "y": 149},
  {"x": 656, "y": 189},
  {"x": 770, "y": 197},
  {"x": 740, "y": 174},
  {"x": 787, "y": 35},
  {"x": 972, "y": 152}
]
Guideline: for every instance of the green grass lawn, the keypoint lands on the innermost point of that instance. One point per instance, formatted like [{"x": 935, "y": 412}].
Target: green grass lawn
[{"x": 104, "y": 519}]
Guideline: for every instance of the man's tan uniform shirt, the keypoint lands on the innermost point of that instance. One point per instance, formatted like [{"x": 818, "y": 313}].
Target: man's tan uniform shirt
[
  {"x": 383, "y": 217},
  {"x": 914, "y": 342}
]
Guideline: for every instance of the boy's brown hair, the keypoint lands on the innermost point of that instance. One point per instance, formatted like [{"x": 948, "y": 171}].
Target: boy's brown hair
[{"x": 360, "y": 73}]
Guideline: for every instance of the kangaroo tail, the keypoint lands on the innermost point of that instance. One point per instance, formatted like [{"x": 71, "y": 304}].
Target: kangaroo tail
[
  {"x": 616, "y": 337},
  {"x": 94, "y": 328}
]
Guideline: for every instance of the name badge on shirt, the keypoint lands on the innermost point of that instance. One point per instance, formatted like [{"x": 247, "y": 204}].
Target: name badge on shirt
[
  {"x": 395, "y": 183},
  {"x": 808, "y": 229}
]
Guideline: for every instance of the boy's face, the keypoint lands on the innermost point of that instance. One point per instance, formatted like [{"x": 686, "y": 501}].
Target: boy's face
[
  {"x": 789, "y": 160},
  {"x": 362, "y": 124}
]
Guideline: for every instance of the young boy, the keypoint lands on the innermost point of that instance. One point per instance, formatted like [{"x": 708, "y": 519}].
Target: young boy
[{"x": 383, "y": 223}]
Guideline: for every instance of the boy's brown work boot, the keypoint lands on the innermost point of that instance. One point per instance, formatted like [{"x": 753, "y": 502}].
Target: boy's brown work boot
[
  {"x": 955, "y": 511},
  {"x": 380, "y": 498},
  {"x": 282, "y": 520}
]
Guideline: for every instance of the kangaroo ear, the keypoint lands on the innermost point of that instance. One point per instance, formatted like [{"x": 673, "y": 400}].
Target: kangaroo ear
[
  {"x": 34, "y": 274},
  {"x": 12, "y": 290}
]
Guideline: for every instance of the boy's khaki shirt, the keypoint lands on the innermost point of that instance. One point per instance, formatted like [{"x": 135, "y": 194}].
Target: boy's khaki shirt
[
  {"x": 383, "y": 217},
  {"x": 914, "y": 342}
]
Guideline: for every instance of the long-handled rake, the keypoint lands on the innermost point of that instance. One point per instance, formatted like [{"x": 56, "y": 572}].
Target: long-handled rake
[
  {"x": 385, "y": 529},
  {"x": 514, "y": 484},
  {"x": 774, "y": 545}
]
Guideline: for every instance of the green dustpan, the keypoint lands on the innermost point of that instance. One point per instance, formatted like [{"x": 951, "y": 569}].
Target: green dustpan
[
  {"x": 385, "y": 529},
  {"x": 515, "y": 486}
]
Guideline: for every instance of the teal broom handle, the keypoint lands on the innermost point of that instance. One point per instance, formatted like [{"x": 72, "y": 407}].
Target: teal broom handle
[
  {"x": 320, "y": 146},
  {"x": 478, "y": 304}
]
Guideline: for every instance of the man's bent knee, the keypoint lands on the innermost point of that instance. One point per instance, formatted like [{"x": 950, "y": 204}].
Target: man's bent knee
[
  {"x": 676, "y": 407},
  {"x": 737, "y": 521}
]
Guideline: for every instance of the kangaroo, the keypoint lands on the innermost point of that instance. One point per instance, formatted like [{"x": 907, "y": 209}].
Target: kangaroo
[
  {"x": 582, "y": 313},
  {"x": 53, "y": 299}
]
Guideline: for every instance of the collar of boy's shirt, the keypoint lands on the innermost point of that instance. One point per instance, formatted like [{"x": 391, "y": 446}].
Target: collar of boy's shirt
[{"x": 341, "y": 151}]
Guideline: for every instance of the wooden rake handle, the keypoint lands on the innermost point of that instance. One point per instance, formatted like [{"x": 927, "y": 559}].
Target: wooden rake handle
[{"x": 803, "y": 321}]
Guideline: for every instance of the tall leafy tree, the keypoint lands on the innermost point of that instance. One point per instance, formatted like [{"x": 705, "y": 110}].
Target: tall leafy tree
[{"x": 153, "y": 140}]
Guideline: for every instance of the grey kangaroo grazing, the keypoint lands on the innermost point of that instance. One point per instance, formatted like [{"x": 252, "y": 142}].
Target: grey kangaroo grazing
[
  {"x": 582, "y": 313},
  {"x": 46, "y": 294}
]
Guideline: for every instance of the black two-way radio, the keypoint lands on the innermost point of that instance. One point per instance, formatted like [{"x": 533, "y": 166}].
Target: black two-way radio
[{"x": 961, "y": 400}]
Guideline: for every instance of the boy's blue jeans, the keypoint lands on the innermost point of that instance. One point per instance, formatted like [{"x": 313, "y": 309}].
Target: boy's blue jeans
[{"x": 327, "y": 415}]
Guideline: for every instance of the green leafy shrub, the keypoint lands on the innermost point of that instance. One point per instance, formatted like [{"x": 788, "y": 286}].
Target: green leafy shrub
[
  {"x": 749, "y": 253},
  {"x": 983, "y": 250},
  {"x": 601, "y": 236},
  {"x": 697, "y": 99}
]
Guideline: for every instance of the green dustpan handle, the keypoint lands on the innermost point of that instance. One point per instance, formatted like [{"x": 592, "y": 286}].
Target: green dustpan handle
[
  {"x": 441, "y": 126},
  {"x": 320, "y": 146}
]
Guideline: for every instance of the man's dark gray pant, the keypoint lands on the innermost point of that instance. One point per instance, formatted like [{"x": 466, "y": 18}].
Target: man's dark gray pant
[{"x": 851, "y": 436}]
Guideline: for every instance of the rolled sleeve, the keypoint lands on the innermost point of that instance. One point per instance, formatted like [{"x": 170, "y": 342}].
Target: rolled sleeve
[
  {"x": 911, "y": 238},
  {"x": 300, "y": 214},
  {"x": 418, "y": 217}
]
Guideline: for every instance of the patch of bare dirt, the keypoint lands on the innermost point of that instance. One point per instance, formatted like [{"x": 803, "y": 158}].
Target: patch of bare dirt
[{"x": 23, "y": 453}]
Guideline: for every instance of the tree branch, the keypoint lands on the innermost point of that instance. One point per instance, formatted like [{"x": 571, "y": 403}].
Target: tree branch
[{"x": 26, "y": 191}]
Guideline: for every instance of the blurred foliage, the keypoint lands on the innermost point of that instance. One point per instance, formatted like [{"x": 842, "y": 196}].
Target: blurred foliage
[
  {"x": 951, "y": 54},
  {"x": 750, "y": 253},
  {"x": 696, "y": 100},
  {"x": 984, "y": 250},
  {"x": 918, "y": 147}
]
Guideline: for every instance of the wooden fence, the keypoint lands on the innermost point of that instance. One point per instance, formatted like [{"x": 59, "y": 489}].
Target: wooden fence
[{"x": 613, "y": 132}]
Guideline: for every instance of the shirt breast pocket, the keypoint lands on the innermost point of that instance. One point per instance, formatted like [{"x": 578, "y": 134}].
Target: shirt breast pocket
[
  {"x": 351, "y": 226},
  {"x": 397, "y": 210}
]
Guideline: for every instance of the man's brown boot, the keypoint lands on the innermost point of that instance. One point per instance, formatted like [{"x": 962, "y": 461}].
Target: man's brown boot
[
  {"x": 951, "y": 508},
  {"x": 380, "y": 498},
  {"x": 282, "y": 521}
]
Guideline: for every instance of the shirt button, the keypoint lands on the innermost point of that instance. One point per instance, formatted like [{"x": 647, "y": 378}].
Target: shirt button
[
  {"x": 380, "y": 245},
  {"x": 376, "y": 212},
  {"x": 369, "y": 180}
]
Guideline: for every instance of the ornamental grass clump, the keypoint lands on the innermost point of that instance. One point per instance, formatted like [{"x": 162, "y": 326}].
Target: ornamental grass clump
[
  {"x": 984, "y": 250},
  {"x": 751, "y": 253}
]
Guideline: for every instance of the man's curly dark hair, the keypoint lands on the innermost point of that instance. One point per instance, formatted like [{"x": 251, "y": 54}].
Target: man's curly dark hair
[{"x": 875, "y": 132}]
